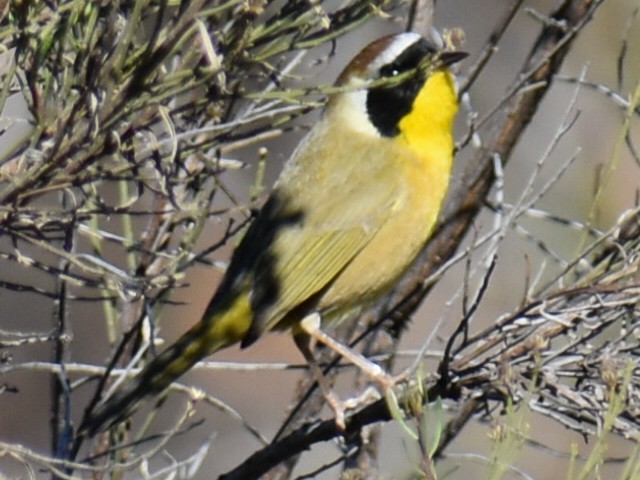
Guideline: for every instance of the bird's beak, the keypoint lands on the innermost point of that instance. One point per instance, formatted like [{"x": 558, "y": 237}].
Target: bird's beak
[{"x": 449, "y": 58}]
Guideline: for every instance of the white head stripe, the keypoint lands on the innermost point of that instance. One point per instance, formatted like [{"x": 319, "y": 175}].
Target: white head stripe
[{"x": 399, "y": 44}]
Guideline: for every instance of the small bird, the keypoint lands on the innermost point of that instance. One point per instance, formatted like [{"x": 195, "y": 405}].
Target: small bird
[{"x": 350, "y": 212}]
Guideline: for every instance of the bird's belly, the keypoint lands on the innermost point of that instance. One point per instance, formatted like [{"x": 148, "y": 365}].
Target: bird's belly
[{"x": 377, "y": 268}]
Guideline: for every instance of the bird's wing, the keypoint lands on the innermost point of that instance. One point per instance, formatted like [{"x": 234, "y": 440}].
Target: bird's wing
[
  {"x": 296, "y": 279},
  {"x": 306, "y": 257}
]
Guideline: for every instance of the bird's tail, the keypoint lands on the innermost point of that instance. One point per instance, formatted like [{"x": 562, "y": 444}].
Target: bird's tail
[{"x": 221, "y": 327}]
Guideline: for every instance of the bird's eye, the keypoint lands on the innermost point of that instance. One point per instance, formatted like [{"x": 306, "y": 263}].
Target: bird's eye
[
  {"x": 408, "y": 60},
  {"x": 400, "y": 66},
  {"x": 389, "y": 71}
]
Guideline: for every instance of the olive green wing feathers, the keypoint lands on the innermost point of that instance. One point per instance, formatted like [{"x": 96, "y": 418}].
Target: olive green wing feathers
[{"x": 304, "y": 256}]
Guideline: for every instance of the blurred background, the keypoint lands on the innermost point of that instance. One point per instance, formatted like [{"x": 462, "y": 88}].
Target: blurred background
[{"x": 263, "y": 396}]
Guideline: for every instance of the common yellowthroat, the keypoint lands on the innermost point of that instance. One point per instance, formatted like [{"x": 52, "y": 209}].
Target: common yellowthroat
[{"x": 348, "y": 215}]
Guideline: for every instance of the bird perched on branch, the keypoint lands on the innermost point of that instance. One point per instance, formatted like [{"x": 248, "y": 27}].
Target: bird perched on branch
[{"x": 352, "y": 209}]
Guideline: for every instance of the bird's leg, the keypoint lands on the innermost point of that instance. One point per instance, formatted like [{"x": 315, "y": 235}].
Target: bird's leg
[
  {"x": 311, "y": 326},
  {"x": 308, "y": 330},
  {"x": 303, "y": 342}
]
